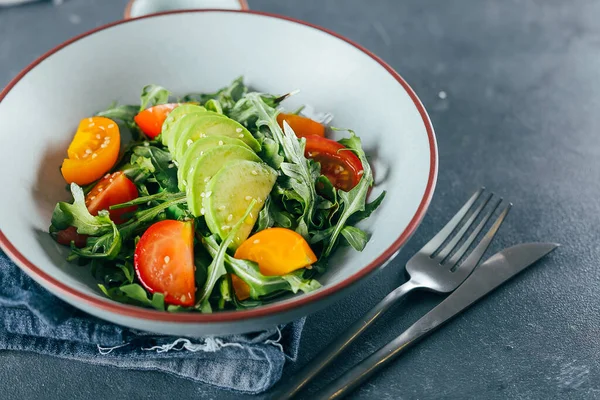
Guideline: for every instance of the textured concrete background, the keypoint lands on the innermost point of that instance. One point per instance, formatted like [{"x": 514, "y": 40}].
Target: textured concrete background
[{"x": 520, "y": 116}]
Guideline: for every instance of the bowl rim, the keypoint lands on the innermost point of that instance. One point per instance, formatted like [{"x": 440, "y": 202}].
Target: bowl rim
[{"x": 126, "y": 310}]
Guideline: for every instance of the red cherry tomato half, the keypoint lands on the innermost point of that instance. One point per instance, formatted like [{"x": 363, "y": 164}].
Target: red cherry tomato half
[
  {"x": 151, "y": 119},
  {"x": 340, "y": 165},
  {"x": 113, "y": 189},
  {"x": 66, "y": 236},
  {"x": 302, "y": 126},
  {"x": 164, "y": 261}
]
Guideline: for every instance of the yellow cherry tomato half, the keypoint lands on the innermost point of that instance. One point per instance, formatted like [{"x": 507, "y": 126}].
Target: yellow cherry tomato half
[
  {"x": 93, "y": 151},
  {"x": 277, "y": 251}
]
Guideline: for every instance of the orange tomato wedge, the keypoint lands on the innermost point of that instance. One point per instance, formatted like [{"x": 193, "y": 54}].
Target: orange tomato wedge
[
  {"x": 93, "y": 151},
  {"x": 277, "y": 251},
  {"x": 151, "y": 120},
  {"x": 302, "y": 126}
]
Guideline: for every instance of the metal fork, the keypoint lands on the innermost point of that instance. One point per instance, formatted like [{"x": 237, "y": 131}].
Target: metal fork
[{"x": 435, "y": 268}]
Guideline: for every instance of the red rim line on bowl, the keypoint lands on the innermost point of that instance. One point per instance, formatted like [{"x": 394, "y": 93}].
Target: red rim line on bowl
[
  {"x": 263, "y": 311},
  {"x": 127, "y": 13}
]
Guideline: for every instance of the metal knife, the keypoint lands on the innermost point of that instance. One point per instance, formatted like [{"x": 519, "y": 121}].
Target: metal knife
[{"x": 488, "y": 276}]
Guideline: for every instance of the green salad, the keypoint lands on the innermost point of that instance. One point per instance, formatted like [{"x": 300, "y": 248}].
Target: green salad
[{"x": 211, "y": 201}]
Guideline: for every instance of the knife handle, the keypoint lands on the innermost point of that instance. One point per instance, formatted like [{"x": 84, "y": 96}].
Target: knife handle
[
  {"x": 335, "y": 348},
  {"x": 366, "y": 368}
]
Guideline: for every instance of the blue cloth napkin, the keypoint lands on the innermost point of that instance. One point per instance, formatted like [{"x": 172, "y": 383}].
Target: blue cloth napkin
[{"x": 32, "y": 319}]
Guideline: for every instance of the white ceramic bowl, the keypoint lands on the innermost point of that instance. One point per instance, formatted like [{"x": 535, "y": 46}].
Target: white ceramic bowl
[{"x": 40, "y": 109}]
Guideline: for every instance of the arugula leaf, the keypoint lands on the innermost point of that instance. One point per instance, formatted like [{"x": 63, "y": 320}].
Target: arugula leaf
[
  {"x": 123, "y": 113},
  {"x": 216, "y": 269},
  {"x": 225, "y": 292},
  {"x": 165, "y": 171},
  {"x": 354, "y": 200},
  {"x": 369, "y": 208},
  {"x": 106, "y": 246},
  {"x": 226, "y": 97},
  {"x": 265, "y": 219},
  {"x": 356, "y": 237},
  {"x": 301, "y": 172},
  {"x": 298, "y": 283},
  {"x": 153, "y": 95},
  {"x": 134, "y": 294},
  {"x": 77, "y": 215}
]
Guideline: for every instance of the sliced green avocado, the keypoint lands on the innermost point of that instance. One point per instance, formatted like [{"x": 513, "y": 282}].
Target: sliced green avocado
[
  {"x": 229, "y": 193},
  {"x": 175, "y": 116},
  {"x": 207, "y": 165},
  {"x": 209, "y": 125},
  {"x": 182, "y": 125},
  {"x": 198, "y": 149}
]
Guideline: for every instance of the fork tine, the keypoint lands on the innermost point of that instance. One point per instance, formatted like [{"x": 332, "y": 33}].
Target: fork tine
[
  {"x": 431, "y": 246},
  {"x": 473, "y": 259},
  {"x": 443, "y": 254},
  {"x": 465, "y": 246}
]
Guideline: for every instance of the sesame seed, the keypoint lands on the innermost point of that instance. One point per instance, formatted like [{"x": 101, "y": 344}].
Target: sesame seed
[
  {"x": 220, "y": 143},
  {"x": 149, "y": 203},
  {"x": 248, "y": 198},
  {"x": 94, "y": 155},
  {"x": 146, "y": 144},
  {"x": 225, "y": 228},
  {"x": 111, "y": 180},
  {"x": 202, "y": 211},
  {"x": 229, "y": 217},
  {"x": 90, "y": 119},
  {"x": 256, "y": 241},
  {"x": 207, "y": 179},
  {"x": 167, "y": 259},
  {"x": 103, "y": 145},
  {"x": 85, "y": 155},
  {"x": 92, "y": 124},
  {"x": 221, "y": 208},
  {"x": 202, "y": 194},
  {"x": 238, "y": 130},
  {"x": 259, "y": 200},
  {"x": 107, "y": 175},
  {"x": 201, "y": 153},
  {"x": 254, "y": 172},
  {"x": 189, "y": 142},
  {"x": 175, "y": 162},
  {"x": 183, "y": 297},
  {"x": 88, "y": 151},
  {"x": 100, "y": 189},
  {"x": 98, "y": 136},
  {"x": 361, "y": 172},
  {"x": 241, "y": 135},
  {"x": 107, "y": 138},
  {"x": 92, "y": 198},
  {"x": 110, "y": 126},
  {"x": 208, "y": 194},
  {"x": 171, "y": 165},
  {"x": 101, "y": 127}
]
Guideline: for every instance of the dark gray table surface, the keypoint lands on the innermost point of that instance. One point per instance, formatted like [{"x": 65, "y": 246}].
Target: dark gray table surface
[{"x": 522, "y": 80}]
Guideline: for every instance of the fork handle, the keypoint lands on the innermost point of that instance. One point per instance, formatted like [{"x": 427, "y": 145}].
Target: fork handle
[{"x": 336, "y": 347}]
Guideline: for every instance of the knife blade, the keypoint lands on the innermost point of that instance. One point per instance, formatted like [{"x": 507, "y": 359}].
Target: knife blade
[{"x": 488, "y": 276}]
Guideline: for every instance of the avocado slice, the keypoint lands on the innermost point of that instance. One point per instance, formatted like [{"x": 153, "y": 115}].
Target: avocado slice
[
  {"x": 197, "y": 149},
  {"x": 206, "y": 166},
  {"x": 176, "y": 115},
  {"x": 229, "y": 193},
  {"x": 182, "y": 125},
  {"x": 209, "y": 125}
]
